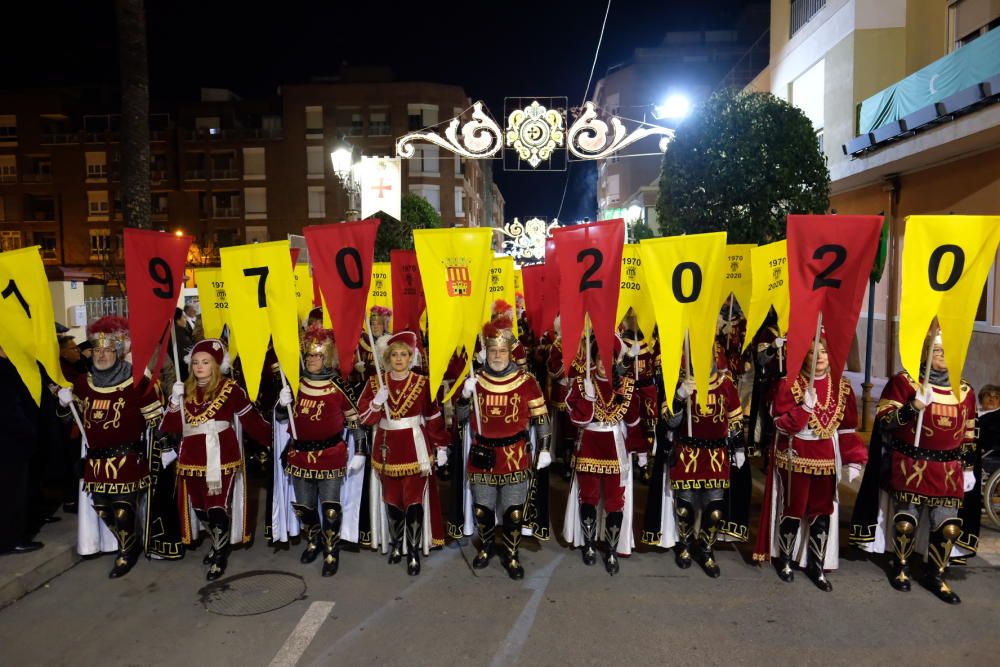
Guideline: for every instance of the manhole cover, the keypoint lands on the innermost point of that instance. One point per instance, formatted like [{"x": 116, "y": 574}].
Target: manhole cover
[{"x": 252, "y": 593}]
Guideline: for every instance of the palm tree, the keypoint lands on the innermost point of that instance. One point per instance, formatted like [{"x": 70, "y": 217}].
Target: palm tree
[{"x": 131, "y": 21}]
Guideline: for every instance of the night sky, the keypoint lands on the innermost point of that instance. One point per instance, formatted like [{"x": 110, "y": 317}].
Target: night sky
[{"x": 492, "y": 49}]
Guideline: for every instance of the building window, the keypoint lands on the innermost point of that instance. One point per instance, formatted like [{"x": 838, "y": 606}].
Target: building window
[
  {"x": 802, "y": 11},
  {"x": 256, "y": 234},
  {"x": 378, "y": 124},
  {"x": 224, "y": 165},
  {"x": 425, "y": 161},
  {"x": 458, "y": 166},
  {"x": 8, "y": 129},
  {"x": 421, "y": 116},
  {"x": 39, "y": 208},
  {"x": 314, "y": 122},
  {"x": 256, "y": 203},
  {"x": 8, "y": 169},
  {"x": 97, "y": 165},
  {"x": 432, "y": 193},
  {"x": 357, "y": 125},
  {"x": 459, "y": 202},
  {"x": 160, "y": 202},
  {"x": 97, "y": 203},
  {"x": 254, "y": 165},
  {"x": 158, "y": 167},
  {"x": 314, "y": 162},
  {"x": 10, "y": 240},
  {"x": 209, "y": 125},
  {"x": 47, "y": 242},
  {"x": 612, "y": 191},
  {"x": 195, "y": 166},
  {"x": 100, "y": 244},
  {"x": 317, "y": 201},
  {"x": 38, "y": 169},
  {"x": 226, "y": 205}
]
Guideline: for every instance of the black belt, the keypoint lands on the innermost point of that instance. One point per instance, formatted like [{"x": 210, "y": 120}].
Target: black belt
[
  {"x": 316, "y": 445},
  {"x": 645, "y": 382},
  {"x": 501, "y": 442},
  {"x": 937, "y": 455},
  {"x": 138, "y": 447},
  {"x": 701, "y": 443}
]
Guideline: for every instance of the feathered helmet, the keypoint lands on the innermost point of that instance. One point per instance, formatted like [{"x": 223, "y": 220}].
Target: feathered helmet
[
  {"x": 315, "y": 315},
  {"x": 110, "y": 331},
  {"x": 385, "y": 344},
  {"x": 502, "y": 309},
  {"x": 317, "y": 340},
  {"x": 499, "y": 334},
  {"x": 214, "y": 347}
]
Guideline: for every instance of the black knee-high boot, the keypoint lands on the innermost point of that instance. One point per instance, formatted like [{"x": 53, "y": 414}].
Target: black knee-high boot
[
  {"x": 218, "y": 526},
  {"x": 486, "y": 525},
  {"x": 309, "y": 519},
  {"x": 331, "y": 538},
  {"x": 414, "y": 532}
]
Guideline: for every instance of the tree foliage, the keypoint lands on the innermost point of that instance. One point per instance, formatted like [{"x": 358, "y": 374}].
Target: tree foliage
[
  {"x": 639, "y": 230},
  {"x": 393, "y": 234},
  {"x": 741, "y": 163}
]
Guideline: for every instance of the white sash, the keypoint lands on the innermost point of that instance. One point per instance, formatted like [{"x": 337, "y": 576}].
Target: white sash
[
  {"x": 213, "y": 451},
  {"x": 413, "y": 424}
]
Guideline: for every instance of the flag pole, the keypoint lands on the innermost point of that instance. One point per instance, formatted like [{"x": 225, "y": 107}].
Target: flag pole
[
  {"x": 586, "y": 329},
  {"x": 378, "y": 365},
  {"x": 926, "y": 385},
  {"x": 690, "y": 374},
  {"x": 291, "y": 408},
  {"x": 177, "y": 364},
  {"x": 812, "y": 369}
]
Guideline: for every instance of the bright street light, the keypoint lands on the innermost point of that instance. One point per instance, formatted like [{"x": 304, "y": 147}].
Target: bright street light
[{"x": 676, "y": 107}]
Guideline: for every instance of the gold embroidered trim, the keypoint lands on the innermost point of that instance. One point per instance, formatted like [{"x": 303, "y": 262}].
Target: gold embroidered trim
[
  {"x": 116, "y": 487},
  {"x": 199, "y": 471},
  {"x": 396, "y": 469},
  {"x": 406, "y": 396},
  {"x": 651, "y": 538},
  {"x": 501, "y": 385},
  {"x": 805, "y": 465},
  {"x": 688, "y": 484},
  {"x": 599, "y": 466},
  {"x": 926, "y": 501},
  {"x": 736, "y": 530},
  {"x": 798, "y": 391},
  {"x": 220, "y": 399},
  {"x": 538, "y": 412},
  {"x": 107, "y": 390},
  {"x": 306, "y": 473},
  {"x": 490, "y": 479},
  {"x": 536, "y": 402}
]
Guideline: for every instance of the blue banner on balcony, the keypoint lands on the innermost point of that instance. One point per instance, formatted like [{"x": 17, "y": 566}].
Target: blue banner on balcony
[{"x": 965, "y": 67}]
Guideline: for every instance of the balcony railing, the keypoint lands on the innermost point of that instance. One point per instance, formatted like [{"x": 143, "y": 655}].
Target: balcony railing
[
  {"x": 8, "y": 178},
  {"x": 55, "y": 138},
  {"x": 379, "y": 129},
  {"x": 34, "y": 177},
  {"x": 232, "y": 133},
  {"x": 194, "y": 174},
  {"x": 225, "y": 174},
  {"x": 102, "y": 137},
  {"x": 226, "y": 212},
  {"x": 802, "y": 11}
]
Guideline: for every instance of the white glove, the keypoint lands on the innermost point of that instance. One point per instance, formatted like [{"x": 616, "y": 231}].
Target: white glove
[
  {"x": 588, "y": 390},
  {"x": 636, "y": 350},
  {"x": 177, "y": 393},
  {"x": 442, "y": 457},
  {"x": 469, "y": 387},
  {"x": 544, "y": 460},
  {"x": 686, "y": 389},
  {"x": 357, "y": 462},
  {"x": 381, "y": 396},
  {"x": 968, "y": 480},
  {"x": 853, "y": 472},
  {"x": 359, "y": 366},
  {"x": 924, "y": 397},
  {"x": 779, "y": 342},
  {"x": 481, "y": 356},
  {"x": 809, "y": 400},
  {"x": 285, "y": 397},
  {"x": 168, "y": 456},
  {"x": 65, "y": 396},
  {"x": 642, "y": 459},
  {"x": 741, "y": 458}
]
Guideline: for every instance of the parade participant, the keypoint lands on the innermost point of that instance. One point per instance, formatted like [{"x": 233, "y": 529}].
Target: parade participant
[
  {"x": 211, "y": 466},
  {"x": 317, "y": 461},
  {"x": 408, "y": 426},
  {"x": 732, "y": 331},
  {"x": 915, "y": 487},
  {"x": 768, "y": 346},
  {"x": 558, "y": 385},
  {"x": 815, "y": 439},
  {"x": 364, "y": 367},
  {"x": 645, "y": 350},
  {"x": 605, "y": 407},
  {"x": 701, "y": 465},
  {"x": 508, "y": 401},
  {"x": 118, "y": 416}
]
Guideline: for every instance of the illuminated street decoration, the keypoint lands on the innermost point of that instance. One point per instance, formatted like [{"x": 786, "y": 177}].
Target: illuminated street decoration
[
  {"x": 480, "y": 138},
  {"x": 534, "y": 132},
  {"x": 591, "y": 138},
  {"x": 525, "y": 242}
]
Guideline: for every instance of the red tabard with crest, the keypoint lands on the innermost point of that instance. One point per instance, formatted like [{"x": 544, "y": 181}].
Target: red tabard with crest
[
  {"x": 321, "y": 411},
  {"x": 706, "y": 467}
]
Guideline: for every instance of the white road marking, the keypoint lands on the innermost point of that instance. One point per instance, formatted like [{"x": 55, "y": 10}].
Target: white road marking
[
  {"x": 302, "y": 635},
  {"x": 513, "y": 644}
]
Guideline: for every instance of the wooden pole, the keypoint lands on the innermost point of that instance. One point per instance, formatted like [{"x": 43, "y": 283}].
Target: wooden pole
[
  {"x": 926, "y": 385},
  {"x": 690, "y": 374}
]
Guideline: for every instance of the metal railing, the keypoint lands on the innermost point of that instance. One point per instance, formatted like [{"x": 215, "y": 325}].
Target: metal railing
[
  {"x": 50, "y": 138},
  {"x": 223, "y": 174},
  {"x": 34, "y": 177},
  {"x": 226, "y": 212},
  {"x": 109, "y": 305},
  {"x": 802, "y": 11}
]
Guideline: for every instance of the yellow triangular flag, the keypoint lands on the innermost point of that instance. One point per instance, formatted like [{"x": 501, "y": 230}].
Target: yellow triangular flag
[
  {"x": 214, "y": 306},
  {"x": 259, "y": 280},
  {"x": 28, "y": 330},
  {"x": 946, "y": 261},
  {"x": 769, "y": 266},
  {"x": 686, "y": 275},
  {"x": 738, "y": 274},
  {"x": 634, "y": 292},
  {"x": 501, "y": 288},
  {"x": 303, "y": 291},
  {"x": 380, "y": 290},
  {"x": 454, "y": 269}
]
